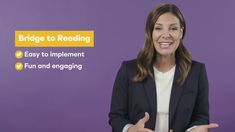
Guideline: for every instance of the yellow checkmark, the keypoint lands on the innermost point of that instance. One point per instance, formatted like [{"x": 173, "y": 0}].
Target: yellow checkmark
[
  {"x": 19, "y": 66},
  {"x": 19, "y": 54}
]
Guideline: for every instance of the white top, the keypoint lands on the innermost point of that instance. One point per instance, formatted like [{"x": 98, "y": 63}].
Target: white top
[{"x": 164, "y": 83}]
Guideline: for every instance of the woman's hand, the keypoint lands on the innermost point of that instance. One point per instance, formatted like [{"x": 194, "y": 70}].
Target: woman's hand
[
  {"x": 204, "y": 128},
  {"x": 139, "y": 126}
]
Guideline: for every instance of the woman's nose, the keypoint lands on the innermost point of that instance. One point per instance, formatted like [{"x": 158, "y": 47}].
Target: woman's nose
[{"x": 166, "y": 34}]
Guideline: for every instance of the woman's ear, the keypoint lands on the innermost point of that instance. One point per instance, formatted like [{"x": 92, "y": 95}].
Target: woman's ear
[{"x": 181, "y": 32}]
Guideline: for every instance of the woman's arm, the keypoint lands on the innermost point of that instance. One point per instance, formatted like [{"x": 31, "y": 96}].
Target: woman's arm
[
  {"x": 201, "y": 109},
  {"x": 118, "y": 116}
]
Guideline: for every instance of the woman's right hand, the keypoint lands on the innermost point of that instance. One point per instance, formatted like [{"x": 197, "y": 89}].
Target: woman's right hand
[
  {"x": 139, "y": 126},
  {"x": 204, "y": 128}
]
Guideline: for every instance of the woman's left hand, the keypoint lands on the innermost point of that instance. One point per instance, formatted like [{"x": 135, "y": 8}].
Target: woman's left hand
[{"x": 204, "y": 128}]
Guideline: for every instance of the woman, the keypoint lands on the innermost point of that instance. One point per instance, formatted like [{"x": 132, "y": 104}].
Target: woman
[{"x": 163, "y": 89}]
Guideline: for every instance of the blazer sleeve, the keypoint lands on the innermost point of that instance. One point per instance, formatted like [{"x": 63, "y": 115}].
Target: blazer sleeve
[
  {"x": 118, "y": 116},
  {"x": 201, "y": 110}
]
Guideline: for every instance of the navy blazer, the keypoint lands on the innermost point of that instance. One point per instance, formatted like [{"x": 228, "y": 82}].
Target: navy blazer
[{"x": 188, "y": 106}]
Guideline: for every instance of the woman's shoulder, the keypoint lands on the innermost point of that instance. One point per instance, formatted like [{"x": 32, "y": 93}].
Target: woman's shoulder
[
  {"x": 197, "y": 65},
  {"x": 130, "y": 65},
  {"x": 130, "y": 62}
]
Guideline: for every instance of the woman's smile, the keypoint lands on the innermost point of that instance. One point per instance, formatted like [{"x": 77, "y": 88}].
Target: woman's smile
[{"x": 165, "y": 44}]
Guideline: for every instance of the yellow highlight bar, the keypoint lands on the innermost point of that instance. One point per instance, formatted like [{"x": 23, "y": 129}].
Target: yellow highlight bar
[{"x": 64, "y": 38}]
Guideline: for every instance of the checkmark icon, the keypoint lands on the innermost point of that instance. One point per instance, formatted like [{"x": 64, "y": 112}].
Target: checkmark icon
[
  {"x": 19, "y": 54},
  {"x": 19, "y": 66}
]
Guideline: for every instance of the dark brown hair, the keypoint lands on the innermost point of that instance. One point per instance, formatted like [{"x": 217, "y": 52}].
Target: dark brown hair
[{"x": 147, "y": 54}]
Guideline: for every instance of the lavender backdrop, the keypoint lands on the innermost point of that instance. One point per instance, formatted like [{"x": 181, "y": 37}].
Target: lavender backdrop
[{"x": 78, "y": 101}]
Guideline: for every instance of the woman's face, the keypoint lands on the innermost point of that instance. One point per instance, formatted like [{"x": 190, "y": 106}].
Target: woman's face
[{"x": 166, "y": 34}]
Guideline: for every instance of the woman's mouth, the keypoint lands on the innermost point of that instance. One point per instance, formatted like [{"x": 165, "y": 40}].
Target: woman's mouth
[{"x": 165, "y": 44}]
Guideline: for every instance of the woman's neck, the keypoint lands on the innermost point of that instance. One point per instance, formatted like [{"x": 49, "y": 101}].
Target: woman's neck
[{"x": 164, "y": 63}]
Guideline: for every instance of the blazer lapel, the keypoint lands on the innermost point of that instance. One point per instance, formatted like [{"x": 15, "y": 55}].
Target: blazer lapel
[
  {"x": 150, "y": 90},
  {"x": 175, "y": 96}
]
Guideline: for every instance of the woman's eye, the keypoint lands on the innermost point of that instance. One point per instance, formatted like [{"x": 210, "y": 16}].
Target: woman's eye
[
  {"x": 157, "y": 28},
  {"x": 174, "y": 28}
]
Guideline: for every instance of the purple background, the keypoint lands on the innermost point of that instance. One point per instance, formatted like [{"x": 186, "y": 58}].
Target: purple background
[{"x": 78, "y": 101}]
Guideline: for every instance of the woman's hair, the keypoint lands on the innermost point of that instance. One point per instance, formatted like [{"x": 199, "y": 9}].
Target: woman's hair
[{"x": 147, "y": 54}]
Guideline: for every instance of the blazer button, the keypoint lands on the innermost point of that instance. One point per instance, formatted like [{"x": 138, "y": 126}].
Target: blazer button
[{"x": 171, "y": 130}]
